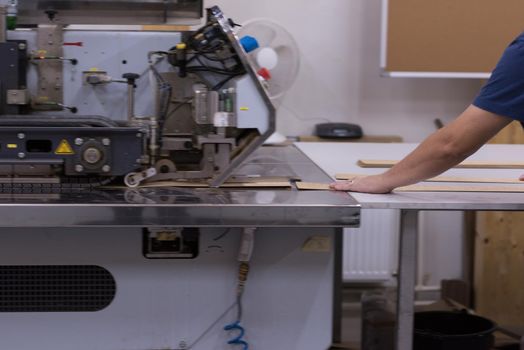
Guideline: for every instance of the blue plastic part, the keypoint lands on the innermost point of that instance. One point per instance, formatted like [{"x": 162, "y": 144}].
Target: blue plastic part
[{"x": 249, "y": 43}]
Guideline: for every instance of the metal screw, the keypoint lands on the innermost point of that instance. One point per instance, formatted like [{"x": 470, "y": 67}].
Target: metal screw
[
  {"x": 138, "y": 135},
  {"x": 79, "y": 141},
  {"x": 106, "y": 168},
  {"x": 182, "y": 345},
  {"x": 22, "y": 46},
  {"x": 21, "y": 155},
  {"x": 21, "y": 136},
  {"x": 106, "y": 141},
  {"x": 79, "y": 168}
]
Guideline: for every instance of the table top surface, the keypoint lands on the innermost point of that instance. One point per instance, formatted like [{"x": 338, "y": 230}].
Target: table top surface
[
  {"x": 194, "y": 206},
  {"x": 336, "y": 158}
]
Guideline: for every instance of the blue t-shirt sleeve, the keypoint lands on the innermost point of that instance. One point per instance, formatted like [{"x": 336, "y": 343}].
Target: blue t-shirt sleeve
[{"x": 503, "y": 94}]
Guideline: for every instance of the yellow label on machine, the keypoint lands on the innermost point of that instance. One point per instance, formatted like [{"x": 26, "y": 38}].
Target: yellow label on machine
[{"x": 64, "y": 148}]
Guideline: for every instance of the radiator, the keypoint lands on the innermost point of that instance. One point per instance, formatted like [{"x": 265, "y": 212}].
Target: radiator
[{"x": 370, "y": 252}]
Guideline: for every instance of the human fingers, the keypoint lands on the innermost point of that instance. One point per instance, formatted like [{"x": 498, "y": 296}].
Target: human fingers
[{"x": 341, "y": 185}]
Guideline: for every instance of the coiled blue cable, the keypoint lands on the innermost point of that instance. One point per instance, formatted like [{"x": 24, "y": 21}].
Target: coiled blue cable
[{"x": 238, "y": 340}]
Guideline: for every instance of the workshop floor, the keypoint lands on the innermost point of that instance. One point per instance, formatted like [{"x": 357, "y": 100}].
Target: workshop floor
[{"x": 351, "y": 324}]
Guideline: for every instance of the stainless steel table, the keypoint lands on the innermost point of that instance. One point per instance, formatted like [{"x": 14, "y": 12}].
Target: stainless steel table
[
  {"x": 342, "y": 157},
  {"x": 192, "y": 207}
]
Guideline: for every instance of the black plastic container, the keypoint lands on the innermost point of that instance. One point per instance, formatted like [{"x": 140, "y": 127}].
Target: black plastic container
[{"x": 446, "y": 330}]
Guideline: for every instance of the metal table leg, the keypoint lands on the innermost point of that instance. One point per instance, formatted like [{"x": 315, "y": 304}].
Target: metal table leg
[{"x": 406, "y": 279}]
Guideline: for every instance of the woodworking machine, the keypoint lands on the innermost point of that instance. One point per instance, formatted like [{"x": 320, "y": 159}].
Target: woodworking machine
[{"x": 191, "y": 106}]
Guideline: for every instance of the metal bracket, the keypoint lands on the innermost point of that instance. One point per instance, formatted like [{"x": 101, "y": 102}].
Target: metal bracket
[
  {"x": 50, "y": 95},
  {"x": 134, "y": 179}
]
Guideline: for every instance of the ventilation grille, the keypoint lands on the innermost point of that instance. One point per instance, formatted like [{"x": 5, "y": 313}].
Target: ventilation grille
[{"x": 55, "y": 288}]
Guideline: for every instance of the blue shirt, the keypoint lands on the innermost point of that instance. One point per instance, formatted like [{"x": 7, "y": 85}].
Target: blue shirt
[{"x": 503, "y": 94}]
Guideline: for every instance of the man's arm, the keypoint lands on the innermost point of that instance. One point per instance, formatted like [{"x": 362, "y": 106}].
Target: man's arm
[{"x": 442, "y": 150}]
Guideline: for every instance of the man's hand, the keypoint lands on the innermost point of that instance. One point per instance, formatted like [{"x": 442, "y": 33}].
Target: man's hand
[{"x": 367, "y": 184}]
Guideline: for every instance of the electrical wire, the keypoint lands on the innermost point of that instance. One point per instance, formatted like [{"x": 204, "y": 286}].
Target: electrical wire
[
  {"x": 220, "y": 84},
  {"x": 297, "y": 116}
]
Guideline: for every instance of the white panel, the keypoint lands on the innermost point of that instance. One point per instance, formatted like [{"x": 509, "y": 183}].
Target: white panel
[
  {"x": 160, "y": 303},
  {"x": 251, "y": 109}
]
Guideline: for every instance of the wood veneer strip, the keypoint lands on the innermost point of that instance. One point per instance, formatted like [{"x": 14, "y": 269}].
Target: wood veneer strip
[
  {"x": 312, "y": 186},
  {"x": 348, "y": 176},
  {"x": 471, "y": 164},
  {"x": 190, "y": 184},
  {"x": 429, "y": 188},
  {"x": 462, "y": 188}
]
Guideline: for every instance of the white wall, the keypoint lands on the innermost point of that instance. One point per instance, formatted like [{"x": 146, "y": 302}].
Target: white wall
[{"x": 339, "y": 75}]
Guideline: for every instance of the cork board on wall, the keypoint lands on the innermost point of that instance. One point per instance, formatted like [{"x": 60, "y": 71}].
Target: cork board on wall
[{"x": 449, "y": 35}]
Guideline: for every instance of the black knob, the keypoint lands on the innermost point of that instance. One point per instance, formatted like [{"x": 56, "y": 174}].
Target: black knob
[{"x": 130, "y": 77}]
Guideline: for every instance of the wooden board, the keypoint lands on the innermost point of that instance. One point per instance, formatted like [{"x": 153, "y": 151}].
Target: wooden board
[
  {"x": 312, "y": 186},
  {"x": 347, "y": 176},
  {"x": 377, "y": 163},
  {"x": 365, "y": 138},
  {"x": 191, "y": 184},
  {"x": 429, "y": 188},
  {"x": 462, "y": 188},
  {"x": 232, "y": 182}
]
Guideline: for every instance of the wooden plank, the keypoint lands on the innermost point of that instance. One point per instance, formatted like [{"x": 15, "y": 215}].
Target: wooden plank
[
  {"x": 312, "y": 186},
  {"x": 462, "y": 188},
  {"x": 429, "y": 188},
  {"x": 365, "y": 138},
  {"x": 374, "y": 163},
  {"x": 192, "y": 184},
  {"x": 232, "y": 182},
  {"x": 348, "y": 176}
]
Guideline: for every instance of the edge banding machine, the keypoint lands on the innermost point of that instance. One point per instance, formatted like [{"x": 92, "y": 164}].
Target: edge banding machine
[
  {"x": 90, "y": 98},
  {"x": 210, "y": 108}
]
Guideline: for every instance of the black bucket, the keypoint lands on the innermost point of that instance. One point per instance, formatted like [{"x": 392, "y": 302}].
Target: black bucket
[{"x": 445, "y": 330}]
